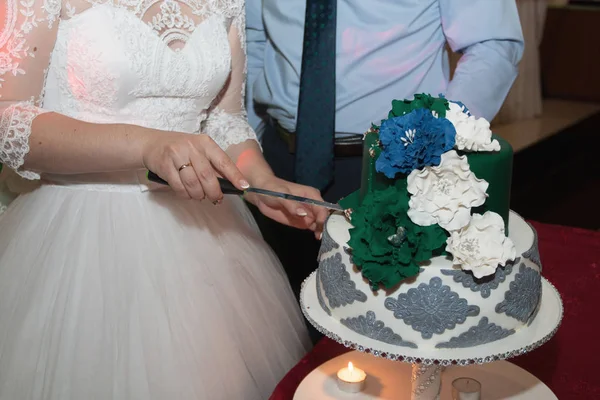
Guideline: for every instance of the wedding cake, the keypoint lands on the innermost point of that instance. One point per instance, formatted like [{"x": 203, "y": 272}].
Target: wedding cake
[{"x": 428, "y": 254}]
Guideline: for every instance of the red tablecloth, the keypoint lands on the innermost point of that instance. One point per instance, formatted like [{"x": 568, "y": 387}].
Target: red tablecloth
[{"x": 567, "y": 363}]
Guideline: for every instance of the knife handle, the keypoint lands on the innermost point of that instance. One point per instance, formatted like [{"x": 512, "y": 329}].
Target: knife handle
[
  {"x": 152, "y": 177},
  {"x": 226, "y": 186}
]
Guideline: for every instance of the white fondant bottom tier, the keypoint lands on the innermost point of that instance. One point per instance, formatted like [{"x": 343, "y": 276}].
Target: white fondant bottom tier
[{"x": 442, "y": 307}]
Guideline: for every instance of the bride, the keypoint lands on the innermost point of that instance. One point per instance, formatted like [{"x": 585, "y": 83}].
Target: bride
[{"x": 112, "y": 287}]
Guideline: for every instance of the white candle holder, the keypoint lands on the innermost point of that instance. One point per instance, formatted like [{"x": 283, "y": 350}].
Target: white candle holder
[
  {"x": 466, "y": 389},
  {"x": 351, "y": 379}
]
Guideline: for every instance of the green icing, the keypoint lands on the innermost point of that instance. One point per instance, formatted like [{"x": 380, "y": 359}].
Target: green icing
[
  {"x": 495, "y": 168},
  {"x": 352, "y": 201},
  {"x": 386, "y": 245},
  {"x": 402, "y": 107},
  {"x": 371, "y": 179}
]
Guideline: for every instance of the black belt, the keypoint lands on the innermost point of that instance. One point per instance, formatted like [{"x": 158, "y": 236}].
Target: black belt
[{"x": 348, "y": 145}]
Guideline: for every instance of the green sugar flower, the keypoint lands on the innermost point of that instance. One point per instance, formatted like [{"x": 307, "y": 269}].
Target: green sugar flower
[
  {"x": 439, "y": 105},
  {"x": 386, "y": 245}
]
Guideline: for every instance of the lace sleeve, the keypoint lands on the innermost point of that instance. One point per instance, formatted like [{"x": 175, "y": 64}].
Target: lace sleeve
[
  {"x": 227, "y": 122},
  {"x": 26, "y": 43}
]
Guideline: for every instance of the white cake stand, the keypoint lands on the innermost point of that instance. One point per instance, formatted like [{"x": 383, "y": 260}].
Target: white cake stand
[
  {"x": 427, "y": 365},
  {"x": 389, "y": 380}
]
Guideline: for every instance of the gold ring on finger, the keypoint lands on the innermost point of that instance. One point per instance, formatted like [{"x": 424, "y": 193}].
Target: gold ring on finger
[{"x": 184, "y": 166}]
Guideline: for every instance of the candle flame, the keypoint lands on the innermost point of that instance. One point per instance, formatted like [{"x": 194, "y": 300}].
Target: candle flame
[{"x": 350, "y": 367}]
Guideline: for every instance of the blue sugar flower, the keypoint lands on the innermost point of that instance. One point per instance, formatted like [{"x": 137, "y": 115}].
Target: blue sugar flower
[{"x": 413, "y": 141}]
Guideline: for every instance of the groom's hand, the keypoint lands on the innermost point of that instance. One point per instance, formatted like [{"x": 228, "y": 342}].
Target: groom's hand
[{"x": 302, "y": 216}]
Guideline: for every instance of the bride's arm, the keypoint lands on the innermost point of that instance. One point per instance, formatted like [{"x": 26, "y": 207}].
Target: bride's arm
[
  {"x": 227, "y": 124},
  {"x": 34, "y": 141},
  {"x": 62, "y": 145}
]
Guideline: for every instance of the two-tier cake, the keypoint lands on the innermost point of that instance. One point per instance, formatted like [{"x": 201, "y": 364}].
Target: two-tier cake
[{"x": 429, "y": 254}]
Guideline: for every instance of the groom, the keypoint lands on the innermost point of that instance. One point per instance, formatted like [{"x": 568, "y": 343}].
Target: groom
[{"x": 321, "y": 71}]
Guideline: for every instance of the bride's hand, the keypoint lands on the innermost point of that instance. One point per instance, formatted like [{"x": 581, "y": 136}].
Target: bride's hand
[
  {"x": 302, "y": 216},
  {"x": 191, "y": 165}
]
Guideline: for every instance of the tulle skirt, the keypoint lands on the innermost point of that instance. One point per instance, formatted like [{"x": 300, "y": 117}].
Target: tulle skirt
[{"x": 140, "y": 295}]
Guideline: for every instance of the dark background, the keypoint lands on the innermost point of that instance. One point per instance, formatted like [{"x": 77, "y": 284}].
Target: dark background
[{"x": 557, "y": 180}]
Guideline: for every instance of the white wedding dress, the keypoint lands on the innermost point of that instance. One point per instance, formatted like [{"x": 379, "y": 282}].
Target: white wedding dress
[{"x": 111, "y": 288}]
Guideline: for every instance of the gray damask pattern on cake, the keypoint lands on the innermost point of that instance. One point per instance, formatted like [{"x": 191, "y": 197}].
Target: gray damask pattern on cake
[
  {"x": 339, "y": 289},
  {"x": 484, "y": 332},
  {"x": 533, "y": 254},
  {"x": 431, "y": 308},
  {"x": 523, "y": 296},
  {"x": 484, "y": 285},
  {"x": 348, "y": 251},
  {"x": 368, "y": 325},
  {"x": 535, "y": 312},
  {"x": 327, "y": 243},
  {"x": 320, "y": 294}
]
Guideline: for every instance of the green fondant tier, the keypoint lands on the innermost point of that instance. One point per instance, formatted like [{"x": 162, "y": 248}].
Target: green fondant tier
[
  {"x": 372, "y": 180},
  {"x": 494, "y": 167}
]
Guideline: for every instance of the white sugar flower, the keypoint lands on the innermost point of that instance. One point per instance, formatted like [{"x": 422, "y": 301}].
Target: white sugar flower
[
  {"x": 445, "y": 194},
  {"x": 481, "y": 246},
  {"x": 472, "y": 134}
]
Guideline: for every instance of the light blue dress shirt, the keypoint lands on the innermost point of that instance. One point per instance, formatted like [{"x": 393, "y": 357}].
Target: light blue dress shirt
[{"x": 386, "y": 49}]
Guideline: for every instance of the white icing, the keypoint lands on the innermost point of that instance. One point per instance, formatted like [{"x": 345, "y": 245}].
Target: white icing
[
  {"x": 472, "y": 134},
  {"x": 520, "y": 233},
  {"x": 481, "y": 246},
  {"x": 445, "y": 194}
]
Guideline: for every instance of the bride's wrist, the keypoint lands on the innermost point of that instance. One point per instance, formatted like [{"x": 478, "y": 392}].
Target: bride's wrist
[
  {"x": 260, "y": 178},
  {"x": 251, "y": 163}
]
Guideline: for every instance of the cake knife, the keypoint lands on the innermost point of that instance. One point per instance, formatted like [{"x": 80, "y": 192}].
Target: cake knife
[{"x": 228, "y": 188}]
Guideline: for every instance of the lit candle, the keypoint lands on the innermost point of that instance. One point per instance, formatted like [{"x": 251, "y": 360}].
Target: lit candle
[{"x": 351, "y": 379}]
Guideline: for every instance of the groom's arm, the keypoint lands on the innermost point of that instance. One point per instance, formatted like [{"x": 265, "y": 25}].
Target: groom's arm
[
  {"x": 488, "y": 34},
  {"x": 256, "y": 40}
]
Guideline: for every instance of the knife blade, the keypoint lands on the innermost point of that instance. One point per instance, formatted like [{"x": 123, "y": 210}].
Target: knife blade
[{"x": 228, "y": 188}]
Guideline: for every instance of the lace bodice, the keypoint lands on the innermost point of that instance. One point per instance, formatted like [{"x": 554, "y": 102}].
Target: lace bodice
[{"x": 167, "y": 64}]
